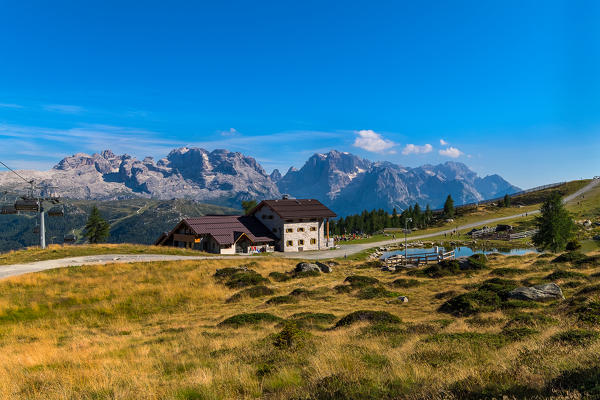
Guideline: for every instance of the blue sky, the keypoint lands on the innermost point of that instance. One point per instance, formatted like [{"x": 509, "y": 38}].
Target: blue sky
[{"x": 505, "y": 87}]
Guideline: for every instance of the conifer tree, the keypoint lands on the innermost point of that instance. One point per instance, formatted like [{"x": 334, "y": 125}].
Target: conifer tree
[
  {"x": 449, "y": 207},
  {"x": 555, "y": 225},
  {"x": 96, "y": 228}
]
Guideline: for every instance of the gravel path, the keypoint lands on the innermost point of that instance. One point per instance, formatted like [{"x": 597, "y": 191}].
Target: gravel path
[{"x": 20, "y": 269}]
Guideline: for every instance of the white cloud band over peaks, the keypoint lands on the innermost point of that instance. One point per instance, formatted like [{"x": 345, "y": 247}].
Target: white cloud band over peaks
[
  {"x": 451, "y": 152},
  {"x": 414, "y": 149},
  {"x": 372, "y": 141}
]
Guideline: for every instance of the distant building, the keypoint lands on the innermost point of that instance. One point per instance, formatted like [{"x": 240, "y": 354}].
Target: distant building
[{"x": 284, "y": 225}]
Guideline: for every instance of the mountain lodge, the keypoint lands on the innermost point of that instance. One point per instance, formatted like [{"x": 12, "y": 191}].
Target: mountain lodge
[{"x": 287, "y": 225}]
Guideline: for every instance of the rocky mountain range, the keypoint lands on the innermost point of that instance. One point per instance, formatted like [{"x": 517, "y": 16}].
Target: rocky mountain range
[{"x": 343, "y": 181}]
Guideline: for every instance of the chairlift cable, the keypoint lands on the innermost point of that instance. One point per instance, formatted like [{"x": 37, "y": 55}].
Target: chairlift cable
[{"x": 16, "y": 173}]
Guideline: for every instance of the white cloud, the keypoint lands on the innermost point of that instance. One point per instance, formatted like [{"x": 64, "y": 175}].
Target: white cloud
[
  {"x": 452, "y": 152},
  {"x": 414, "y": 149},
  {"x": 10, "y": 105},
  {"x": 230, "y": 132},
  {"x": 64, "y": 108},
  {"x": 443, "y": 142},
  {"x": 372, "y": 141}
]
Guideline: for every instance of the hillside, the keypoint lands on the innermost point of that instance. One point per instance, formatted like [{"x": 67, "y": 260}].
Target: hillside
[
  {"x": 138, "y": 221},
  {"x": 174, "y": 330}
]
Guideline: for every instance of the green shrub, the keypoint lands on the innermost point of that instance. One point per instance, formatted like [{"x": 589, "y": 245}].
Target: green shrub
[
  {"x": 573, "y": 245},
  {"x": 369, "y": 316},
  {"x": 253, "y": 292},
  {"x": 470, "y": 303},
  {"x": 227, "y": 272},
  {"x": 301, "y": 292},
  {"x": 372, "y": 292},
  {"x": 562, "y": 274},
  {"x": 405, "y": 283},
  {"x": 283, "y": 300},
  {"x": 291, "y": 337},
  {"x": 444, "y": 268},
  {"x": 576, "y": 337},
  {"x": 343, "y": 288},
  {"x": 475, "y": 262},
  {"x": 360, "y": 281},
  {"x": 586, "y": 381},
  {"x": 249, "y": 319},
  {"x": 279, "y": 276},
  {"x": 570, "y": 256},
  {"x": 525, "y": 319},
  {"x": 589, "y": 290},
  {"x": 589, "y": 313},
  {"x": 306, "y": 274},
  {"x": 499, "y": 286},
  {"x": 518, "y": 333}
]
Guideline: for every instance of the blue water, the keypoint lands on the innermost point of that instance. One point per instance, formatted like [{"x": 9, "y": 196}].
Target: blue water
[{"x": 463, "y": 251}]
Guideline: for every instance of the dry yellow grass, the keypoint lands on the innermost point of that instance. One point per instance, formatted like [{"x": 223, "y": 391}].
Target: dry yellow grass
[{"x": 150, "y": 331}]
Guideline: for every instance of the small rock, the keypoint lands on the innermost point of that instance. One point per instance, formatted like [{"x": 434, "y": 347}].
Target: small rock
[
  {"x": 403, "y": 299},
  {"x": 549, "y": 291},
  {"x": 304, "y": 266},
  {"x": 388, "y": 269}
]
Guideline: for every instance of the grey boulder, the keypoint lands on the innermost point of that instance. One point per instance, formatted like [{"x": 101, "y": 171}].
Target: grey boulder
[
  {"x": 549, "y": 291},
  {"x": 305, "y": 267}
]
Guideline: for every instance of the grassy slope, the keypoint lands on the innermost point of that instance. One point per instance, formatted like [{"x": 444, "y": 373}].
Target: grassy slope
[
  {"x": 59, "y": 251},
  {"x": 149, "y": 330}
]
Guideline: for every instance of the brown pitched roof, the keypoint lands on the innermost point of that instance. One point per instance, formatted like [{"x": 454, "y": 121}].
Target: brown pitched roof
[
  {"x": 226, "y": 229},
  {"x": 297, "y": 208}
]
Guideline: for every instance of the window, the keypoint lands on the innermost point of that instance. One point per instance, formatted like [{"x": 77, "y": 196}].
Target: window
[
  {"x": 300, "y": 229},
  {"x": 300, "y": 242},
  {"x": 313, "y": 241},
  {"x": 289, "y": 230},
  {"x": 289, "y": 243},
  {"x": 313, "y": 228},
  {"x": 270, "y": 217}
]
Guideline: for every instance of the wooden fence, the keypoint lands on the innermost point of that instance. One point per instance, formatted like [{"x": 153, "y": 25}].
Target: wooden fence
[{"x": 418, "y": 258}]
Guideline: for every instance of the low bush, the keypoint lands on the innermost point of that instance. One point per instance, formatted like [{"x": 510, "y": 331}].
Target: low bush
[
  {"x": 361, "y": 280},
  {"x": 589, "y": 313},
  {"x": 372, "y": 292},
  {"x": 405, "y": 283},
  {"x": 291, "y": 337},
  {"x": 283, "y": 300},
  {"x": 475, "y": 262},
  {"x": 526, "y": 319},
  {"x": 586, "y": 381},
  {"x": 252, "y": 292},
  {"x": 471, "y": 303},
  {"x": 343, "y": 288},
  {"x": 573, "y": 245},
  {"x": 279, "y": 276},
  {"x": 306, "y": 274},
  {"x": 570, "y": 256},
  {"x": 301, "y": 292},
  {"x": 518, "y": 333},
  {"x": 576, "y": 337},
  {"x": 249, "y": 319},
  {"x": 499, "y": 286},
  {"x": 227, "y": 272},
  {"x": 563, "y": 274},
  {"x": 442, "y": 269},
  {"x": 369, "y": 316}
]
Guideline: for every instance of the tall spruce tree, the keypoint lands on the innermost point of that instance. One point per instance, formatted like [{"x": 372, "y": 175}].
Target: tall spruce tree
[
  {"x": 449, "y": 207},
  {"x": 555, "y": 225},
  {"x": 96, "y": 228}
]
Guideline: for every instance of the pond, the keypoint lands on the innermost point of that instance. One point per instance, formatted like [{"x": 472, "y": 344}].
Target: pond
[{"x": 464, "y": 251}]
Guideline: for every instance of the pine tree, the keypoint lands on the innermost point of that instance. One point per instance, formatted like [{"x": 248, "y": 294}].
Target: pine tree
[
  {"x": 555, "y": 225},
  {"x": 248, "y": 205},
  {"x": 506, "y": 200},
  {"x": 449, "y": 207},
  {"x": 96, "y": 228}
]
